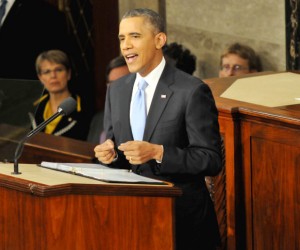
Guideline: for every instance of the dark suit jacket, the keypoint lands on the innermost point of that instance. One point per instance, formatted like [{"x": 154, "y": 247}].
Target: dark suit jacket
[
  {"x": 31, "y": 26},
  {"x": 75, "y": 125},
  {"x": 96, "y": 128},
  {"x": 184, "y": 119}
]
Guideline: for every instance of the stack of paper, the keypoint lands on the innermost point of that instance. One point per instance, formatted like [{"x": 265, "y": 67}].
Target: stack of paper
[{"x": 101, "y": 172}]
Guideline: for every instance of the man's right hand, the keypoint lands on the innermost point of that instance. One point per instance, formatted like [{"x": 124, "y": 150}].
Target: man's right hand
[{"x": 105, "y": 152}]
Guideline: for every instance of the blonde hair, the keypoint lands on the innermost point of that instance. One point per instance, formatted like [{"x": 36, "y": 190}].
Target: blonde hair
[{"x": 55, "y": 56}]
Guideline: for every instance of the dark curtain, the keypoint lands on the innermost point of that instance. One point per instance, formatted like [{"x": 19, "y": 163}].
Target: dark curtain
[{"x": 292, "y": 34}]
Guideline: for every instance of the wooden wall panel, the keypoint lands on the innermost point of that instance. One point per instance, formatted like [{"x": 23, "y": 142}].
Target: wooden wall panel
[
  {"x": 273, "y": 189},
  {"x": 105, "y": 34},
  {"x": 229, "y": 184},
  {"x": 76, "y": 216}
]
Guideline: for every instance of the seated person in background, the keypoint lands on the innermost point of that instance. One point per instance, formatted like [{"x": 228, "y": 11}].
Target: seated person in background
[
  {"x": 116, "y": 68},
  {"x": 239, "y": 59},
  {"x": 180, "y": 57},
  {"x": 54, "y": 72}
]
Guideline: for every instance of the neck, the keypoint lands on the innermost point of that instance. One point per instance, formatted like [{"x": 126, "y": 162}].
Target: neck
[{"x": 56, "y": 99}]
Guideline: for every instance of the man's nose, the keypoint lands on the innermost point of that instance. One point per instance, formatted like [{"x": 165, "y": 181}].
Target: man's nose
[
  {"x": 126, "y": 43},
  {"x": 231, "y": 72}
]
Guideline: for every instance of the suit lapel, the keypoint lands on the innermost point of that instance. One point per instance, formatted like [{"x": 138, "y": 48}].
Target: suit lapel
[
  {"x": 13, "y": 15},
  {"x": 125, "y": 93},
  {"x": 160, "y": 99},
  {"x": 15, "y": 10}
]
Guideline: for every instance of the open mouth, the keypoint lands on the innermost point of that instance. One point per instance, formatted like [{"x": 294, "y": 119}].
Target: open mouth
[{"x": 131, "y": 57}]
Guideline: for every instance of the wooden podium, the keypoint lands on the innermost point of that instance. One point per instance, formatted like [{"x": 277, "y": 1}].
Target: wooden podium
[
  {"x": 262, "y": 173},
  {"x": 47, "y": 209}
]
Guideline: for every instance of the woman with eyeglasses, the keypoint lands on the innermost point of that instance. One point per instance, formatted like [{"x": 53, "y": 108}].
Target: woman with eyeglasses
[
  {"x": 239, "y": 59},
  {"x": 54, "y": 72}
]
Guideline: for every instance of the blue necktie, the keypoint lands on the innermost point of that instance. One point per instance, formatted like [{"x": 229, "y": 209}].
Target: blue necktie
[
  {"x": 139, "y": 112},
  {"x": 2, "y": 10}
]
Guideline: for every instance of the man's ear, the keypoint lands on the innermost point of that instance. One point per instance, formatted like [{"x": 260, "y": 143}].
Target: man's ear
[{"x": 160, "y": 40}]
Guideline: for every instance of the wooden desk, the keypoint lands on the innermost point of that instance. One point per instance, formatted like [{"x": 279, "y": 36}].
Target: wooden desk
[
  {"x": 262, "y": 172},
  {"x": 45, "y": 147},
  {"x": 47, "y": 209}
]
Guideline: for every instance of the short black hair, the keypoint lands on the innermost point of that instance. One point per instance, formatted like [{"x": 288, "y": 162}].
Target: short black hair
[
  {"x": 115, "y": 63},
  {"x": 154, "y": 18},
  {"x": 181, "y": 57}
]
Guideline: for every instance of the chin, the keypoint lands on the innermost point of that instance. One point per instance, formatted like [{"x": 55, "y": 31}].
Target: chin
[{"x": 132, "y": 69}]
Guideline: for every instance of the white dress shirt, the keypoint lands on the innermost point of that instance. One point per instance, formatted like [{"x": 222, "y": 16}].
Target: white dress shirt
[{"x": 152, "y": 79}]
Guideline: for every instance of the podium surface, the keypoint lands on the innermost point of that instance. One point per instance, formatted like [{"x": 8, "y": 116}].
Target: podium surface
[
  {"x": 48, "y": 209},
  {"x": 262, "y": 171}
]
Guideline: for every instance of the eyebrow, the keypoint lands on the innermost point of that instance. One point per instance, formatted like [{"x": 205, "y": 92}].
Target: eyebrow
[
  {"x": 134, "y": 34},
  {"x": 130, "y": 34}
]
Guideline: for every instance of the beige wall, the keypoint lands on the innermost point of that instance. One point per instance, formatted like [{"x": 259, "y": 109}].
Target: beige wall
[
  {"x": 206, "y": 27},
  {"x": 125, "y": 5}
]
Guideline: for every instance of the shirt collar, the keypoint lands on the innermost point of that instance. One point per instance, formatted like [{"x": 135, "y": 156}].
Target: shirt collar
[{"x": 154, "y": 75}]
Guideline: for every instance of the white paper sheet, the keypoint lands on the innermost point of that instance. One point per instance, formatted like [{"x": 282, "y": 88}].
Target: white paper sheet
[{"x": 101, "y": 172}]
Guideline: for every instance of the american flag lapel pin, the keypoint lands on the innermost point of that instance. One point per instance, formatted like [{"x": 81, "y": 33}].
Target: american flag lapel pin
[{"x": 163, "y": 96}]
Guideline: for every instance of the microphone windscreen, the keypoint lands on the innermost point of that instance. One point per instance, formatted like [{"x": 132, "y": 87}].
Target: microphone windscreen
[{"x": 67, "y": 106}]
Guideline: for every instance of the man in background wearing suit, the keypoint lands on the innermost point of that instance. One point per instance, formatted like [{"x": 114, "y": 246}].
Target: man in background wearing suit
[
  {"x": 29, "y": 28},
  {"x": 181, "y": 139}
]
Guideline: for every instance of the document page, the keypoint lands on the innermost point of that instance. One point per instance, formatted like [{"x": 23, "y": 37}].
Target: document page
[
  {"x": 273, "y": 90},
  {"x": 101, "y": 172}
]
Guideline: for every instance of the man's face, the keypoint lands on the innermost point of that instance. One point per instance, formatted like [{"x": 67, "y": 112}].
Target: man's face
[
  {"x": 233, "y": 65},
  {"x": 117, "y": 73},
  {"x": 140, "y": 45}
]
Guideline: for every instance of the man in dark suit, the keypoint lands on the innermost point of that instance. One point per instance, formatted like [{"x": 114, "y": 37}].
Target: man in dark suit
[
  {"x": 29, "y": 28},
  {"x": 115, "y": 69},
  {"x": 181, "y": 140}
]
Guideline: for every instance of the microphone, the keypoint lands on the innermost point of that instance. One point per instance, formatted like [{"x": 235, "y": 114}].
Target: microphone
[{"x": 65, "y": 108}]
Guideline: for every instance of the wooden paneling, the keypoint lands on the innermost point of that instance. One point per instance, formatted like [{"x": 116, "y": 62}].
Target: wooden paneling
[
  {"x": 273, "y": 188},
  {"x": 262, "y": 172},
  {"x": 85, "y": 222},
  {"x": 85, "y": 216},
  {"x": 105, "y": 35},
  {"x": 45, "y": 147}
]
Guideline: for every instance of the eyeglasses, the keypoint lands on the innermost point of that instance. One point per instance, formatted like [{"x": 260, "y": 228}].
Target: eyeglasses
[
  {"x": 234, "y": 68},
  {"x": 48, "y": 72}
]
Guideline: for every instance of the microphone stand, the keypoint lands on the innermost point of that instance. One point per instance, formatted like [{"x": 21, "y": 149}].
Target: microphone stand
[
  {"x": 65, "y": 108},
  {"x": 20, "y": 146}
]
